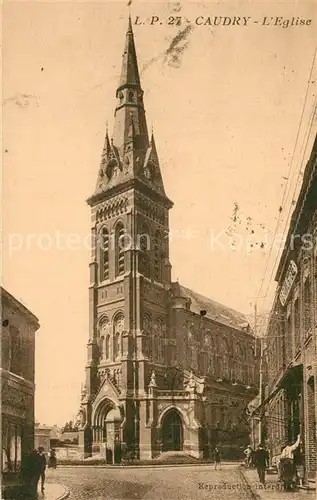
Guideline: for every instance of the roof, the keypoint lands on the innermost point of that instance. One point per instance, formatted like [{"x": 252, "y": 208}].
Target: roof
[
  {"x": 55, "y": 433},
  {"x": 129, "y": 71},
  {"x": 5, "y": 295},
  {"x": 214, "y": 310}
]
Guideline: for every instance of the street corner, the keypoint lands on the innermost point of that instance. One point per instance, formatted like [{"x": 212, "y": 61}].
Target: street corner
[{"x": 54, "y": 491}]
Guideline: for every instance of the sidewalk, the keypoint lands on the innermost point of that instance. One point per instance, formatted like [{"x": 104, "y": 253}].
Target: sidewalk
[
  {"x": 272, "y": 490},
  {"x": 54, "y": 491}
]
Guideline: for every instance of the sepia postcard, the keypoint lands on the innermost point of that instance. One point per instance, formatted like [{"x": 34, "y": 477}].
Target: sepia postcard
[{"x": 159, "y": 250}]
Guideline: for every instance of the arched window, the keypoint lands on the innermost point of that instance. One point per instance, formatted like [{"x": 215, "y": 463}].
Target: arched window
[
  {"x": 131, "y": 96},
  {"x": 118, "y": 327},
  {"x": 119, "y": 249},
  {"x": 147, "y": 328},
  {"x": 158, "y": 256},
  {"x": 102, "y": 347},
  {"x": 160, "y": 352},
  {"x": 209, "y": 346},
  {"x": 107, "y": 353},
  {"x": 117, "y": 345},
  {"x": 224, "y": 358},
  {"x": 104, "y": 254},
  {"x": 144, "y": 246},
  {"x": 103, "y": 333},
  {"x": 240, "y": 363}
]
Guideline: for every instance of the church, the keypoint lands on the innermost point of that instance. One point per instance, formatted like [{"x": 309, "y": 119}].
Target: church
[{"x": 167, "y": 368}]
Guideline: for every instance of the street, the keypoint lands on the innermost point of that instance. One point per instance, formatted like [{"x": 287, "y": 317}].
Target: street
[{"x": 194, "y": 482}]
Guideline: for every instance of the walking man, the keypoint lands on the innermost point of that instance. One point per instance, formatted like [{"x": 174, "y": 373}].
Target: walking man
[
  {"x": 217, "y": 457},
  {"x": 42, "y": 467},
  {"x": 261, "y": 462}
]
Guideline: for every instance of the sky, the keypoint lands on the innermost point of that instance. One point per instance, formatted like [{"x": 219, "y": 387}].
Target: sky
[{"x": 230, "y": 108}]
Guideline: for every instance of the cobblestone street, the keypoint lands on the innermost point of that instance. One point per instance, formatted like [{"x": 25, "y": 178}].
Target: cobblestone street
[{"x": 191, "y": 483}]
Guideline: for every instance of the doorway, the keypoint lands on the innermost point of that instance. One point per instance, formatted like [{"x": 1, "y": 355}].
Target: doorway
[{"x": 172, "y": 432}]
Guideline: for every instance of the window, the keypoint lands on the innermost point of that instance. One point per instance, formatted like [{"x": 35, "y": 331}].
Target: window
[
  {"x": 289, "y": 339},
  {"x": 158, "y": 342},
  {"x": 240, "y": 364},
  {"x": 307, "y": 306},
  {"x": 102, "y": 346},
  {"x": 119, "y": 248},
  {"x": 157, "y": 256},
  {"x": 147, "y": 329},
  {"x": 118, "y": 329},
  {"x": 6, "y": 348},
  {"x": 144, "y": 246},
  {"x": 103, "y": 336},
  {"x": 297, "y": 324},
  {"x": 224, "y": 359},
  {"x": 117, "y": 345},
  {"x": 104, "y": 254},
  {"x": 107, "y": 347},
  {"x": 16, "y": 351},
  {"x": 11, "y": 447}
]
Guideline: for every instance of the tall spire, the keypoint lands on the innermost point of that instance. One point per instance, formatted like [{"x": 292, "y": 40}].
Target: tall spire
[
  {"x": 129, "y": 70},
  {"x": 130, "y": 99},
  {"x": 130, "y": 155}
]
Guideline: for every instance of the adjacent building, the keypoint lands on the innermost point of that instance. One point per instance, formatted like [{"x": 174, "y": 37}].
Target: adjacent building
[
  {"x": 290, "y": 406},
  {"x": 17, "y": 387},
  {"x": 167, "y": 368},
  {"x": 42, "y": 437}
]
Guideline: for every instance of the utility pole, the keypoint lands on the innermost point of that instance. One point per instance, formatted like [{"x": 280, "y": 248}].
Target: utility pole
[
  {"x": 261, "y": 387},
  {"x": 255, "y": 331},
  {"x": 260, "y": 371}
]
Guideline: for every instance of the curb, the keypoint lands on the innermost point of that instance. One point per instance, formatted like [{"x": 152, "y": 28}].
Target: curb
[
  {"x": 65, "y": 494},
  {"x": 255, "y": 495}
]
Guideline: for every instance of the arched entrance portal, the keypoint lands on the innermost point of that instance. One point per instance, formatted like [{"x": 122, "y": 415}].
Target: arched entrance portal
[
  {"x": 172, "y": 432},
  {"x": 106, "y": 431}
]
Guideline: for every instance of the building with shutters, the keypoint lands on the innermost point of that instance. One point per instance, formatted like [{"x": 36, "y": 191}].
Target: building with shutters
[
  {"x": 17, "y": 388},
  {"x": 290, "y": 406},
  {"x": 167, "y": 368}
]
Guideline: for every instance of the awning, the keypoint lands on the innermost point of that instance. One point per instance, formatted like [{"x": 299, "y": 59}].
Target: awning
[
  {"x": 292, "y": 374},
  {"x": 266, "y": 401}
]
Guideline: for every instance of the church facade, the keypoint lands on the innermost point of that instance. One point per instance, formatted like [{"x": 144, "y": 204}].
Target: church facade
[{"x": 167, "y": 369}]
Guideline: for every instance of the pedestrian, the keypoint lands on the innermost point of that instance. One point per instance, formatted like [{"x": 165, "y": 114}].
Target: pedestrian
[
  {"x": 217, "y": 457},
  {"x": 31, "y": 474},
  {"x": 279, "y": 466},
  {"x": 248, "y": 456},
  {"x": 52, "y": 459},
  {"x": 261, "y": 462},
  {"x": 42, "y": 466},
  {"x": 288, "y": 469},
  {"x": 299, "y": 459}
]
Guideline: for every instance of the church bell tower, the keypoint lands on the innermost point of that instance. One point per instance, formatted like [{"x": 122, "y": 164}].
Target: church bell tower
[{"x": 130, "y": 274}]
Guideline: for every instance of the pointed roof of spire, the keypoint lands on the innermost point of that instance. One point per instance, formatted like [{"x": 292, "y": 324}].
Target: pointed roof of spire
[
  {"x": 130, "y": 156},
  {"x": 129, "y": 70}
]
